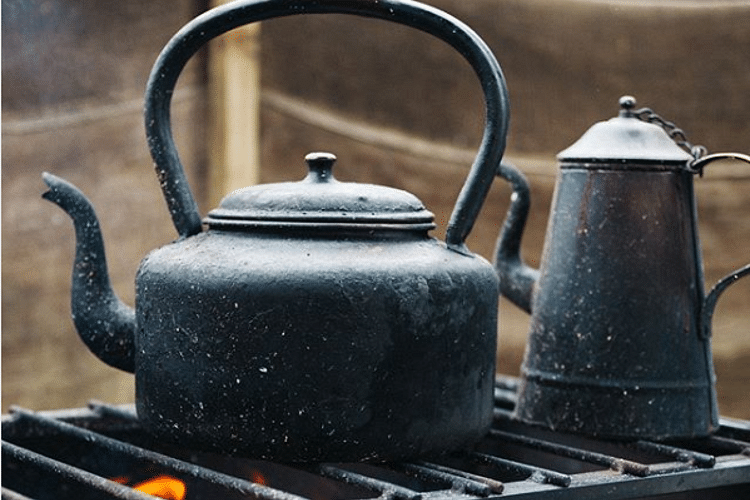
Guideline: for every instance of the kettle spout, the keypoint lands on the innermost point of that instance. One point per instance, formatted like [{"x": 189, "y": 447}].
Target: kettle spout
[
  {"x": 105, "y": 324},
  {"x": 517, "y": 280}
]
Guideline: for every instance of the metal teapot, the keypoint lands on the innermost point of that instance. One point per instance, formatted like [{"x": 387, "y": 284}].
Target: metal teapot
[
  {"x": 312, "y": 320},
  {"x": 619, "y": 341}
]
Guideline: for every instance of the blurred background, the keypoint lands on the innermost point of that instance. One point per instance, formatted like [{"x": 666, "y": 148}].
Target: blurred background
[{"x": 396, "y": 106}]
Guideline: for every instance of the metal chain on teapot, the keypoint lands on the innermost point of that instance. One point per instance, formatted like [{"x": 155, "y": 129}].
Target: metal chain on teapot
[
  {"x": 677, "y": 134},
  {"x": 700, "y": 155}
]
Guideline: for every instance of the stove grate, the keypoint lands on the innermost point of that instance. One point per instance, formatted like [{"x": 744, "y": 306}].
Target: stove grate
[{"x": 85, "y": 453}]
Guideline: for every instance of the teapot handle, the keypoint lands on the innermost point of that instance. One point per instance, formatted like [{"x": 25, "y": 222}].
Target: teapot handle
[
  {"x": 192, "y": 36},
  {"x": 709, "y": 303}
]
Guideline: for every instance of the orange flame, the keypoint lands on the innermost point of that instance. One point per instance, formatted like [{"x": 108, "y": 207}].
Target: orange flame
[{"x": 166, "y": 487}]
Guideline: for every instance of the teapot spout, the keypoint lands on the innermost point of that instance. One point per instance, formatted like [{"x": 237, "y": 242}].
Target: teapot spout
[
  {"x": 105, "y": 324},
  {"x": 517, "y": 280}
]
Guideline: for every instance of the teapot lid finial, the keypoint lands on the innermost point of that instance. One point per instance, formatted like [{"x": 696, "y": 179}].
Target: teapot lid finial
[{"x": 627, "y": 104}]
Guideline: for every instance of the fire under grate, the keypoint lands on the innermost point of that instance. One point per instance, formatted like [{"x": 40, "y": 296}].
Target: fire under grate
[{"x": 102, "y": 452}]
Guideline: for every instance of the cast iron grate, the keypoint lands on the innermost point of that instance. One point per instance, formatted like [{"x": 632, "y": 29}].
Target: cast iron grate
[{"x": 89, "y": 452}]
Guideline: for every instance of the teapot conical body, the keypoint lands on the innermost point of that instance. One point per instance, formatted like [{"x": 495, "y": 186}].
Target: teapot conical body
[{"x": 615, "y": 347}]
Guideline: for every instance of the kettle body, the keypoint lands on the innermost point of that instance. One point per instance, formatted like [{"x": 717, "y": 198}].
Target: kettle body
[
  {"x": 314, "y": 320},
  {"x": 619, "y": 343},
  {"x": 325, "y": 349}
]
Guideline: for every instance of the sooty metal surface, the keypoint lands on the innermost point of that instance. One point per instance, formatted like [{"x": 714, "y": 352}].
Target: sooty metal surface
[{"x": 97, "y": 452}]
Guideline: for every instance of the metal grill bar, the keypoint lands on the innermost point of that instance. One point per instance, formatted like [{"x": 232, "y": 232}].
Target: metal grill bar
[
  {"x": 720, "y": 461},
  {"x": 730, "y": 445},
  {"x": 175, "y": 466},
  {"x": 463, "y": 482},
  {"x": 504, "y": 398},
  {"x": 735, "y": 429},
  {"x": 28, "y": 458},
  {"x": 7, "y": 494},
  {"x": 614, "y": 463},
  {"x": 385, "y": 489},
  {"x": 106, "y": 410},
  {"x": 687, "y": 456},
  {"x": 536, "y": 474}
]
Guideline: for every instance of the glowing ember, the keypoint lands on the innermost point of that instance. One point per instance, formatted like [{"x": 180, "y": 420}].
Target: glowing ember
[
  {"x": 165, "y": 487},
  {"x": 257, "y": 478}
]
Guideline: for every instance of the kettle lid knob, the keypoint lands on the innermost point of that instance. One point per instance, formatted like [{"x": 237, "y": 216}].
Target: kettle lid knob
[{"x": 320, "y": 166}]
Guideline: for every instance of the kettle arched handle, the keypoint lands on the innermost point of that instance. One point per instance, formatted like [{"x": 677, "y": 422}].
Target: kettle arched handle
[{"x": 192, "y": 36}]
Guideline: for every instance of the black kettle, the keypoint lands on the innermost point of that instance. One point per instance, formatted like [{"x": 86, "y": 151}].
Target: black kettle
[
  {"x": 619, "y": 341},
  {"x": 313, "y": 320}
]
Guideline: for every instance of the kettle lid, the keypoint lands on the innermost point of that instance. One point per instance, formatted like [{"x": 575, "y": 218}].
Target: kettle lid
[
  {"x": 625, "y": 138},
  {"x": 319, "y": 201}
]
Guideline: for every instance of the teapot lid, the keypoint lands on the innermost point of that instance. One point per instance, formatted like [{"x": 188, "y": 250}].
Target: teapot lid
[
  {"x": 625, "y": 138},
  {"x": 319, "y": 201}
]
